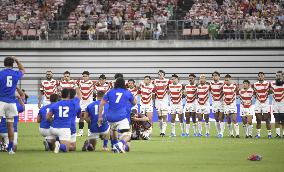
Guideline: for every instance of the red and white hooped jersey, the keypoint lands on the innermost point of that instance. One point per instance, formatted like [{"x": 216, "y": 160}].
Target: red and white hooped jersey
[
  {"x": 278, "y": 92},
  {"x": 134, "y": 91},
  {"x": 162, "y": 86},
  {"x": 67, "y": 84},
  {"x": 246, "y": 97},
  {"x": 191, "y": 93},
  {"x": 217, "y": 90},
  {"x": 103, "y": 87},
  {"x": 146, "y": 92},
  {"x": 203, "y": 94},
  {"x": 49, "y": 87},
  {"x": 261, "y": 90},
  {"x": 87, "y": 88},
  {"x": 230, "y": 93},
  {"x": 176, "y": 93}
]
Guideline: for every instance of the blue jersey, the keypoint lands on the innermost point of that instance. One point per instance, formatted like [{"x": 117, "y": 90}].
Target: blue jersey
[
  {"x": 118, "y": 99},
  {"x": 93, "y": 110},
  {"x": 76, "y": 102},
  {"x": 63, "y": 112},
  {"x": 20, "y": 108},
  {"x": 8, "y": 83},
  {"x": 42, "y": 113}
]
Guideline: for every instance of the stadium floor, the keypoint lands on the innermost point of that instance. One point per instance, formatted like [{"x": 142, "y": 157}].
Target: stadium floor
[{"x": 158, "y": 154}]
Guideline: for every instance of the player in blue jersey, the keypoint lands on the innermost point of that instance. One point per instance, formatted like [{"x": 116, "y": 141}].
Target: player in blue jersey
[
  {"x": 8, "y": 83},
  {"x": 91, "y": 116},
  {"x": 61, "y": 114},
  {"x": 117, "y": 114},
  {"x": 44, "y": 127}
]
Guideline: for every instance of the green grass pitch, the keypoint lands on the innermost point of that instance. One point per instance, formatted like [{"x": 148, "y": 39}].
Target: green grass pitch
[{"x": 158, "y": 154}]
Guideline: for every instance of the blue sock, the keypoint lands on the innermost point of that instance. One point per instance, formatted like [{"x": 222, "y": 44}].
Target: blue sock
[
  {"x": 105, "y": 143},
  {"x": 113, "y": 142},
  {"x": 122, "y": 141},
  {"x": 126, "y": 148},
  {"x": 10, "y": 146},
  {"x": 49, "y": 145},
  {"x": 57, "y": 139},
  {"x": 63, "y": 148}
]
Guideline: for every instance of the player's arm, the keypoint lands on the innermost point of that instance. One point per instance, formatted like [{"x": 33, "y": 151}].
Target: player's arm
[
  {"x": 101, "y": 109},
  {"x": 78, "y": 92},
  {"x": 21, "y": 93},
  {"x": 19, "y": 64},
  {"x": 38, "y": 119},
  {"x": 87, "y": 117},
  {"x": 49, "y": 116}
]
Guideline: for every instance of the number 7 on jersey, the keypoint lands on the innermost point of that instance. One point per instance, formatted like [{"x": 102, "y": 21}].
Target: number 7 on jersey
[{"x": 118, "y": 97}]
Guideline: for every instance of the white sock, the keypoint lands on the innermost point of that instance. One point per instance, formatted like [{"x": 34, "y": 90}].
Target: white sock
[
  {"x": 173, "y": 128},
  {"x": 283, "y": 131},
  {"x": 218, "y": 127},
  {"x": 181, "y": 127},
  {"x": 194, "y": 128},
  {"x": 161, "y": 126},
  {"x": 207, "y": 127},
  {"x": 269, "y": 132},
  {"x": 222, "y": 128},
  {"x": 199, "y": 124},
  {"x": 245, "y": 128},
  {"x": 187, "y": 127},
  {"x": 258, "y": 132},
  {"x": 164, "y": 127},
  {"x": 81, "y": 131},
  {"x": 230, "y": 128},
  {"x": 278, "y": 131},
  {"x": 237, "y": 129},
  {"x": 250, "y": 130}
]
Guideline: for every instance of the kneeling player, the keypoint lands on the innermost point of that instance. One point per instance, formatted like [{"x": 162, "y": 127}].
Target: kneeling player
[{"x": 140, "y": 126}]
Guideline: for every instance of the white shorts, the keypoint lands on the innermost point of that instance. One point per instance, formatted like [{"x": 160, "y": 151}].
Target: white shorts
[
  {"x": 97, "y": 135},
  {"x": 203, "y": 109},
  {"x": 73, "y": 138},
  {"x": 120, "y": 125},
  {"x": 45, "y": 132},
  {"x": 145, "y": 108},
  {"x": 217, "y": 106},
  {"x": 162, "y": 104},
  {"x": 9, "y": 110},
  {"x": 62, "y": 133},
  {"x": 278, "y": 107},
  {"x": 190, "y": 107},
  {"x": 6, "y": 139},
  {"x": 262, "y": 107},
  {"x": 176, "y": 109},
  {"x": 85, "y": 103},
  {"x": 230, "y": 109},
  {"x": 247, "y": 111}
]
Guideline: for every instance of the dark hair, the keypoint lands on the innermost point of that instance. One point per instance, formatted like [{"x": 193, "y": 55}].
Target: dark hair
[
  {"x": 279, "y": 71},
  {"x": 131, "y": 80},
  {"x": 86, "y": 73},
  {"x": 147, "y": 76},
  {"x": 54, "y": 98},
  {"x": 102, "y": 76},
  {"x": 175, "y": 75},
  {"x": 216, "y": 72},
  {"x": 228, "y": 76},
  {"x": 162, "y": 71},
  {"x": 100, "y": 94},
  {"x": 118, "y": 75},
  {"x": 72, "y": 93},
  {"x": 9, "y": 62},
  {"x": 247, "y": 81},
  {"x": 260, "y": 73},
  {"x": 120, "y": 83},
  {"x": 66, "y": 72},
  {"x": 192, "y": 75},
  {"x": 65, "y": 93}
]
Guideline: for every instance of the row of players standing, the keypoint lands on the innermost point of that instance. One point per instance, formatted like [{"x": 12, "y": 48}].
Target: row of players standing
[{"x": 156, "y": 92}]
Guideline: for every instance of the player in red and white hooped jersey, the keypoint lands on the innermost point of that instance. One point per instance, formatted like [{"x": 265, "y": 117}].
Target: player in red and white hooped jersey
[
  {"x": 67, "y": 82},
  {"x": 247, "y": 109},
  {"x": 277, "y": 88},
  {"x": 230, "y": 91},
  {"x": 146, "y": 92},
  {"x": 203, "y": 105},
  {"x": 262, "y": 107},
  {"x": 190, "y": 91},
  {"x": 176, "y": 92},
  {"x": 86, "y": 87},
  {"x": 217, "y": 101},
  {"x": 48, "y": 87},
  {"x": 102, "y": 84},
  {"x": 162, "y": 100},
  {"x": 134, "y": 90}
]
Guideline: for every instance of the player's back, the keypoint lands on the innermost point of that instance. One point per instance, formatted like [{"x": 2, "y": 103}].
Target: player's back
[
  {"x": 93, "y": 110},
  {"x": 63, "y": 112},
  {"x": 43, "y": 112}
]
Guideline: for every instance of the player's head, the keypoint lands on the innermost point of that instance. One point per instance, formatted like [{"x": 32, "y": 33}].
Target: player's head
[
  {"x": 260, "y": 76},
  {"x": 228, "y": 79},
  {"x": 161, "y": 74},
  {"x": 131, "y": 83},
  {"x": 202, "y": 79},
  {"x": 246, "y": 84},
  {"x": 191, "y": 78},
  {"x": 49, "y": 74},
  {"x": 65, "y": 93},
  {"x": 66, "y": 75},
  {"x": 102, "y": 78},
  {"x": 120, "y": 83},
  {"x": 147, "y": 79},
  {"x": 216, "y": 76},
  {"x": 86, "y": 75},
  {"x": 9, "y": 62},
  {"x": 54, "y": 98},
  {"x": 100, "y": 95},
  {"x": 118, "y": 75},
  {"x": 279, "y": 75},
  {"x": 72, "y": 93},
  {"x": 174, "y": 78}
]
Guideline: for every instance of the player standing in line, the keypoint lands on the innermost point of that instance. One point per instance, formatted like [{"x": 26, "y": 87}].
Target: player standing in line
[
  {"x": 190, "y": 90},
  {"x": 230, "y": 91},
  {"x": 67, "y": 82},
  {"x": 247, "y": 110},
  {"x": 175, "y": 92},
  {"x": 117, "y": 114},
  {"x": 48, "y": 87},
  {"x": 134, "y": 90},
  {"x": 8, "y": 84},
  {"x": 87, "y": 87},
  {"x": 102, "y": 84},
  {"x": 262, "y": 108},
  {"x": 162, "y": 100},
  {"x": 217, "y": 102},
  {"x": 203, "y": 105},
  {"x": 277, "y": 88}
]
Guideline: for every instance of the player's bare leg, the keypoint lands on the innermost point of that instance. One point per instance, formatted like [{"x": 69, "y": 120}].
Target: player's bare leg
[
  {"x": 245, "y": 126},
  {"x": 222, "y": 124},
  {"x": 229, "y": 125},
  {"x": 62, "y": 146},
  {"x": 258, "y": 124},
  {"x": 150, "y": 116},
  {"x": 266, "y": 118},
  {"x": 164, "y": 122},
  {"x": 180, "y": 117},
  {"x": 236, "y": 125},
  {"x": 199, "y": 124},
  {"x": 217, "y": 122},
  {"x": 207, "y": 125},
  {"x": 187, "y": 123},
  {"x": 105, "y": 138},
  {"x": 173, "y": 122},
  {"x": 249, "y": 125},
  {"x": 193, "y": 117},
  {"x": 10, "y": 126}
]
